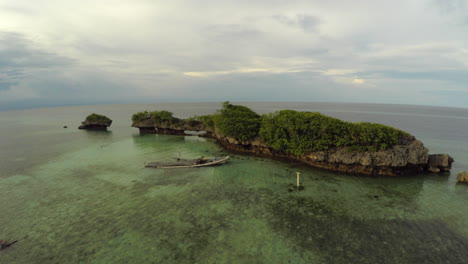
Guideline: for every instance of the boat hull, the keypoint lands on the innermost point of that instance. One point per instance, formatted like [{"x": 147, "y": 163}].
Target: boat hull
[{"x": 192, "y": 164}]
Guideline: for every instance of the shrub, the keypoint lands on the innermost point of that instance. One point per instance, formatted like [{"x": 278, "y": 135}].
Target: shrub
[
  {"x": 301, "y": 132},
  {"x": 237, "y": 121},
  {"x": 206, "y": 120},
  {"x": 95, "y": 118},
  {"x": 141, "y": 116},
  {"x": 156, "y": 116}
]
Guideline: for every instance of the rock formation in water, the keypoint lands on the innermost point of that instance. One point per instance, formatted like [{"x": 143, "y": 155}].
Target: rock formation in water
[
  {"x": 96, "y": 122},
  {"x": 310, "y": 138},
  {"x": 462, "y": 177},
  {"x": 163, "y": 122},
  {"x": 439, "y": 163},
  {"x": 407, "y": 158}
]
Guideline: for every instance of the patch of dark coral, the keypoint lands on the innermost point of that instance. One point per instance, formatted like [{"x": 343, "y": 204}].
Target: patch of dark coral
[{"x": 341, "y": 238}]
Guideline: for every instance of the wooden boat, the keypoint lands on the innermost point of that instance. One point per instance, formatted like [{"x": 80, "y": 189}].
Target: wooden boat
[
  {"x": 182, "y": 163},
  {"x": 4, "y": 244}
]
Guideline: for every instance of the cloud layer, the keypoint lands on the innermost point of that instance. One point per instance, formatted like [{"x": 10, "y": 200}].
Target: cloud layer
[{"x": 84, "y": 52}]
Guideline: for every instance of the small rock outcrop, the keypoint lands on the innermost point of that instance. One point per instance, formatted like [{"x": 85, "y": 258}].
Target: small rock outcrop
[
  {"x": 462, "y": 177},
  {"x": 96, "y": 122},
  {"x": 439, "y": 163},
  {"x": 177, "y": 127},
  {"x": 145, "y": 126}
]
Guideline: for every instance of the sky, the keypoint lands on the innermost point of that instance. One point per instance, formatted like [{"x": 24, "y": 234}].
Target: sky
[{"x": 64, "y": 52}]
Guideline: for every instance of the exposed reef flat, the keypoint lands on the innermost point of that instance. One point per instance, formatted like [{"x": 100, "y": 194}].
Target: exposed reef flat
[{"x": 311, "y": 138}]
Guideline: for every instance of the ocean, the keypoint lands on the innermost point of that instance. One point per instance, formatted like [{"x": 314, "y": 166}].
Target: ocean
[{"x": 74, "y": 196}]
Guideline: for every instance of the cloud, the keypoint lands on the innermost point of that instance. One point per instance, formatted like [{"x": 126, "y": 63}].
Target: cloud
[
  {"x": 231, "y": 32},
  {"x": 19, "y": 59},
  {"x": 143, "y": 50},
  {"x": 307, "y": 23},
  {"x": 16, "y": 51},
  {"x": 5, "y": 85},
  {"x": 451, "y": 6},
  {"x": 28, "y": 73},
  {"x": 358, "y": 81},
  {"x": 453, "y": 76},
  {"x": 264, "y": 65}
]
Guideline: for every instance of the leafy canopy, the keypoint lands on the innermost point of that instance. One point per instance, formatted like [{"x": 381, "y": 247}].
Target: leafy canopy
[
  {"x": 206, "y": 120},
  {"x": 155, "y": 116},
  {"x": 289, "y": 131},
  {"x": 95, "y": 118},
  {"x": 301, "y": 132},
  {"x": 237, "y": 121}
]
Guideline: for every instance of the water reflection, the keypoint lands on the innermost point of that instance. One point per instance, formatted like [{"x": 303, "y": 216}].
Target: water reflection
[{"x": 461, "y": 188}]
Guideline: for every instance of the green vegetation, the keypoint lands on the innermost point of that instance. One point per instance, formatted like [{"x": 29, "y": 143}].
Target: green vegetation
[
  {"x": 100, "y": 119},
  {"x": 206, "y": 120},
  {"x": 289, "y": 131},
  {"x": 155, "y": 116},
  {"x": 300, "y": 132},
  {"x": 237, "y": 121}
]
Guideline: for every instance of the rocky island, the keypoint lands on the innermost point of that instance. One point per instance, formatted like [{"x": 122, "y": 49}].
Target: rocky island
[
  {"x": 311, "y": 138},
  {"x": 462, "y": 177},
  {"x": 96, "y": 122}
]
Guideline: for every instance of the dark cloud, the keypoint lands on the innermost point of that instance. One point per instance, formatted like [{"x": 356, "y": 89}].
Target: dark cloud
[
  {"x": 18, "y": 58},
  {"x": 29, "y": 75},
  {"x": 59, "y": 88},
  {"x": 5, "y": 85},
  {"x": 307, "y": 23},
  {"x": 17, "y": 52}
]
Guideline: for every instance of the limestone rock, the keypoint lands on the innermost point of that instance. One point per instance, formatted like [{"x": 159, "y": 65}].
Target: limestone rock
[
  {"x": 439, "y": 162},
  {"x": 399, "y": 156},
  {"x": 145, "y": 123},
  {"x": 96, "y": 122},
  {"x": 150, "y": 126},
  {"x": 462, "y": 177}
]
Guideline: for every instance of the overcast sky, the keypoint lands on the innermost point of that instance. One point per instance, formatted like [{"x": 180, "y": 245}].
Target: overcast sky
[{"x": 64, "y": 52}]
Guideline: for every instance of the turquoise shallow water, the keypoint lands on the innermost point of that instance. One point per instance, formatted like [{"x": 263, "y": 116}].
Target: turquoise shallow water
[{"x": 85, "y": 197}]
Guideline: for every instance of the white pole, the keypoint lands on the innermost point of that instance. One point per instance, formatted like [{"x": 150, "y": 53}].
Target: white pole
[{"x": 298, "y": 179}]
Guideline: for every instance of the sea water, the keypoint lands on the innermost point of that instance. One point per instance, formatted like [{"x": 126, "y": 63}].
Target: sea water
[{"x": 77, "y": 196}]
